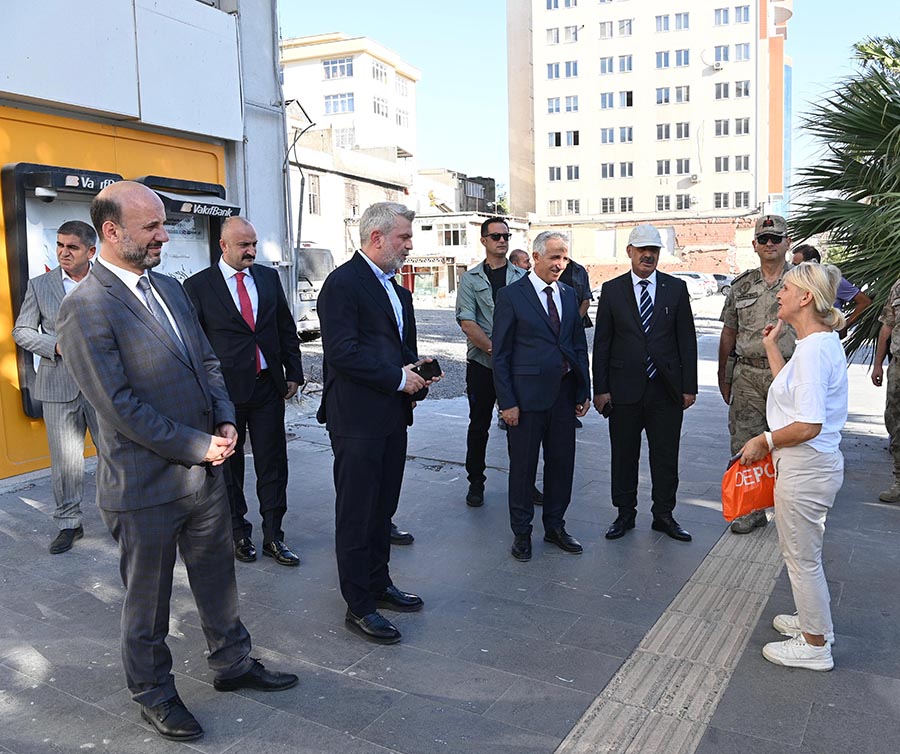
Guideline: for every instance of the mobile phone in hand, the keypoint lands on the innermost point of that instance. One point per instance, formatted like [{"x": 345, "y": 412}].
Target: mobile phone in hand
[{"x": 428, "y": 370}]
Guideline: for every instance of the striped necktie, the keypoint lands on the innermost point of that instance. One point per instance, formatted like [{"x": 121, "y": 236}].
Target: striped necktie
[{"x": 646, "y": 311}]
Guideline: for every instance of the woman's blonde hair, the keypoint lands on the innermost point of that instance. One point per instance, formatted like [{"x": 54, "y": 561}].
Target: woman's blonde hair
[{"x": 820, "y": 280}]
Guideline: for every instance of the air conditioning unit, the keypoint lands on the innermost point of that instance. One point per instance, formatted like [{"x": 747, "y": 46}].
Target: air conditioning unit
[
  {"x": 718, "y": 66},
  {"x": 695, "y": 178}
]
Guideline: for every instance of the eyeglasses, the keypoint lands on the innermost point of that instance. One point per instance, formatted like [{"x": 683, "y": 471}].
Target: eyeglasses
[
  {"x": 497, "y": 236},
  {"x": 766, "y": 238}
]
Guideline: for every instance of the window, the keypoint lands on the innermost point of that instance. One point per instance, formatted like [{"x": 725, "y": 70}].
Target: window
[
  {"x": 682, "y": 94},
  {"x": 606, "y": 100},
  {"x": 721, "y": 164},
  {"x": 662, "y": 96},
  {"x": 351, "y": 199},
  {"x": 571, "y": 69},
  {"x": 662, "y": 23},
  {"x": 345, "y": 138},
  {"x": 401, "y": 86},
  {"x": 314, "y": 208},
  {"x": 572, "y": 104},
  {"x": 572, "y": 173},
  {"x": 338, "y": 103},
  {"x": 554, "y": 207},
  {"x": 682, "y": 201},
  {"x": 624, "y": 63},
  {"x": 663, "y": 203},
  {"x": 402, "y": 118},
  {"x": 721, "y": 53},
  {"x": 553, "y": 36},
  {"x": 380, "y": 106},
  {"x": 552, "y": 4},
  {"x": 682, "y": 130},
  {"x": 606, "y": 65},
  {"x": 722, "y": 127},
  {"x": 721, "y": 17},
  {"x": 607, "y": 205},
  {"x": 741, "y": 126},
  {"x": 663, "y": 131},
  {"x": 573, "y": 206},
  {"x": 683, "y": 166},
  {"x": 552, "y": 70},
  {"x": 626, "y": 99},
  {"x": 570, "y": 3},
  {"x": 555, "y": 173},
  {"x": 338, "y": 68},
  {"x": 626, "y": 134},
  {"x": 379, "y": 71},
  {"x": 741, "y": 88},
  {"x": 625, "y": 27},
  {"x": 662, "y": 59},
  {"x": 742, "y": 199},
  {"x": 571, "y": 138},
  {"x": 742, "y": 163},
  {"x": 606, "y": 136},
  {"x": 626, "y": 204},
  {"x": 571, "y": 34},
  {"x": 552, "y": 105},
  {"x": 682, "y": 58},
  {"x": 606, "y": 30},
  {"x": 663, "y": 167},
  {"x": 682, "y": 21},
  {"x": 720, "y": 200},
  {"x": 742, "y": 51},
  {"x": 626, "y": 170},
  {"x": 722, "y": 90},
  {"x": 451, "y": 234},
  {"x": 554, "y": 139},
  {"x": 607, "y": 170},
  {"x": 741, "y": 16}
]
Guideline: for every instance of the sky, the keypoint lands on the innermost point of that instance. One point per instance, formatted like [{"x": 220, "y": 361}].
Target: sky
[{"x": 460, "y": 48}]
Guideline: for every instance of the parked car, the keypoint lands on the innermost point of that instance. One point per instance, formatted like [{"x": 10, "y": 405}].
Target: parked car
[
  {"x": 313, "y": 266},
  {"x": 698, "y": 287},
  {"x": 724, "y": 282}
]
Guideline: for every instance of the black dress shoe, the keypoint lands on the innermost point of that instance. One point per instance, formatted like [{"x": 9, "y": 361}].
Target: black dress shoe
[
  {"x": 537, "y": 497},
  {"x": 403, "y": 602},
  {"x": 563, "y": 540},
  {"x": 244, "y": 550},
  {"x": 475, "y": 496},
  {"x": 257, "y": 678},
  {"x": 65, "y": 539},
  {"x": 172, "y": 720},
  {"x": 374, "y": 627},
  {"x": 278, "y": 550},
  {"x": 400, "y": 537},
  {"x": 521, "y": 547},
  {"x": 670, "y": 526},
  {"x": 619, "y": 527}
]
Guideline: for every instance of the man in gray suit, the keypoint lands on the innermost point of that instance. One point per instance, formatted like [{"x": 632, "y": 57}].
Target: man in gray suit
[
  {"x": 66, "y": 412},
  {"x": 135, "y": 348}
]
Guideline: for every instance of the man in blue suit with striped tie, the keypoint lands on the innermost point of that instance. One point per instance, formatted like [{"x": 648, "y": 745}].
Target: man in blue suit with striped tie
[{"x": 645, "y": 372}]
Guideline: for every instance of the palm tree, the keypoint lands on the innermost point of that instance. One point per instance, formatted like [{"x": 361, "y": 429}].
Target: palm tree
[{"x": 853, "y": 194}]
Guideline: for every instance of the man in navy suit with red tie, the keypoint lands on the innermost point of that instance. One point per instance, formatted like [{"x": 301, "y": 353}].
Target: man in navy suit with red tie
[
  {"x": 645, "y": 371},
  {"x": 543, "y": 383}
]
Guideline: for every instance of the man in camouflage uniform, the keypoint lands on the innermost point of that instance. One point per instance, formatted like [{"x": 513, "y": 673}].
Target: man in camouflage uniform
[
  {"x": 744, "y": 374},
  {"x": 889, "y": 335}
]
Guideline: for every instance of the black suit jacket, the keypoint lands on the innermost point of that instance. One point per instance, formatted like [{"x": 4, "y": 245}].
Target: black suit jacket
[
  {"x": 364, "y": 354},
  {"x": 528, "y": 356},
  {"x": 233, "y": 340},
  {"x": 621, "y": 347}
]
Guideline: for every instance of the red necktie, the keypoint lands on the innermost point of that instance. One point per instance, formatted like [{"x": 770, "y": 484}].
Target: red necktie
[{"x": 247, "y": 310}]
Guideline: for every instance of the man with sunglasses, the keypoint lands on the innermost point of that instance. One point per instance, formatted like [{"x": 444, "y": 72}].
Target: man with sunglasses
[
  {"x": 475, "y": 299},
  {"x": 744, "y": 374}
]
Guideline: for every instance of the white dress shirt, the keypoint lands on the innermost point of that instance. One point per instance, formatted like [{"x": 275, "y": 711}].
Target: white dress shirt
[
  {"x": 228, "y": 272},
  {"x": 539, "y": 286},
  {"x": 636, "y": 286}
]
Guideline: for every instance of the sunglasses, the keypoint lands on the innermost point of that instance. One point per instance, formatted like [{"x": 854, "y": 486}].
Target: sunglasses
[
  {"x": 497, "y": 236},
  {"x": 766, "y": 238}
]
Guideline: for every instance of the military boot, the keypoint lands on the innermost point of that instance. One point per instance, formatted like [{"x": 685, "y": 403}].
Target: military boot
[{"x": 892, "y": 495}]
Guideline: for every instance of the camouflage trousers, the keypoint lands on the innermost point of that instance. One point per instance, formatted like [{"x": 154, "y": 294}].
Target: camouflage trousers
[
  {"x": 747, "y": 411},
  {"x": 892, "y": 414}
]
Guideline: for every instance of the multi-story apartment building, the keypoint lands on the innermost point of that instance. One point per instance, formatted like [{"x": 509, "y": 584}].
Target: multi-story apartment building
[{"x": 624, "y": 112}]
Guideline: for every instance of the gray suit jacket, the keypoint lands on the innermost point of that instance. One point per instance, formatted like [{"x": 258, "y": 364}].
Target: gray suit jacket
[
  {"x": 155, "y": 409},
  {"x": 35, "y": 331}
]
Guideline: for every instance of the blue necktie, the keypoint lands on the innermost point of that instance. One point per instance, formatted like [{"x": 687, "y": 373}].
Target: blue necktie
[{"x": 646, "y": 311}]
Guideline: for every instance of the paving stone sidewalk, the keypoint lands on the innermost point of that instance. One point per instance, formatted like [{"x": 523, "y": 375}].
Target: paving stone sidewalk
[{"x": 507, "y": 656}]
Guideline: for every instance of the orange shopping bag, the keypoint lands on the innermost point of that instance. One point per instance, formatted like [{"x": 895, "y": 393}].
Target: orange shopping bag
[{"x": 748, "y": 488}]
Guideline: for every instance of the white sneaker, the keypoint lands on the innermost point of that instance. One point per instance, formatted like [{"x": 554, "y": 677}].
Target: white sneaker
[
  {"x": 796, "y": 653},
  {"x": 789, "y": 625}
]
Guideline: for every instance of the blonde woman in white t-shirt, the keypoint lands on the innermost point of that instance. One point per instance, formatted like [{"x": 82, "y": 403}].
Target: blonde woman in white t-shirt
[{"x": 806, "y": 408}]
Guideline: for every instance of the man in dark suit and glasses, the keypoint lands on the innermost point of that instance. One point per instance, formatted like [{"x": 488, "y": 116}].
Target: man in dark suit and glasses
[
  {"x": 245, "y": 314},
  {"x": 645, "y": 370},
  {"x": 134, "y": 346},
  {"x": 543, "y": 383},
  {"x": 369, "y": 341}
]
